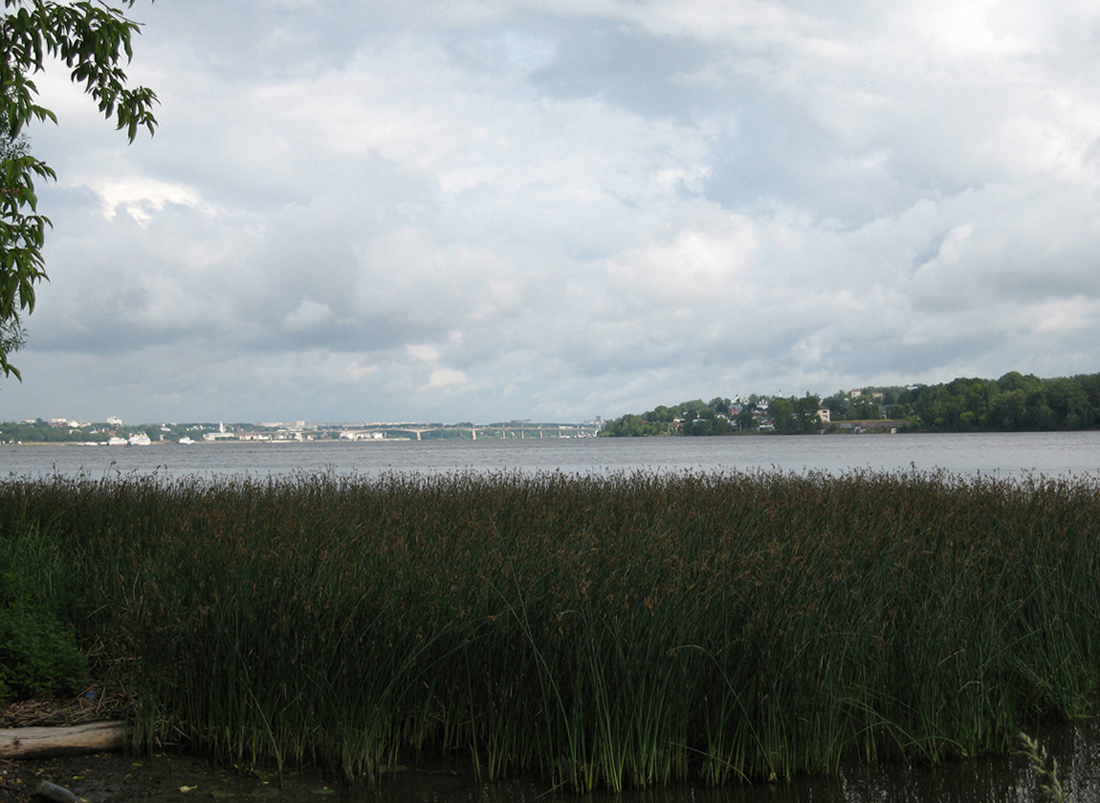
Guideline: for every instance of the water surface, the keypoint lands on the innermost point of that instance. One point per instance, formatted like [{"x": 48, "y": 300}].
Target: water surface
[{"x": 990, "y": 454}]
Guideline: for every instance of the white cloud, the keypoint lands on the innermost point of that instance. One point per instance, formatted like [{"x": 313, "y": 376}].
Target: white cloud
[
  {"x": 445, "y": 379},
  {"x": 693, "y": 262},
  {"x": 309, "y": 314},
  {"x": 423, "y": 352},
  {"x": 1067, "y": 316},
  {"x": 506, "y": 209},
  {"x": 141, "y": 197}
]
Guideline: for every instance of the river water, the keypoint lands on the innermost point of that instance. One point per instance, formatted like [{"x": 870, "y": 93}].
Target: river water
[
  {"x": 987, "y": 454},
  {"x": 979, "y": 780}
]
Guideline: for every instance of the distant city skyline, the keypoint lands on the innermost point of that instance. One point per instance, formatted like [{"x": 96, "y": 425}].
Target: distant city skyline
[
  {"x": 554, "y": 211},
  {"x": 298, "y": 424},
  {"x": 118, "y": 433}
]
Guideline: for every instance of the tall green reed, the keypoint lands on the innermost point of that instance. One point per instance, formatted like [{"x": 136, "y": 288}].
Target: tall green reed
[{"x": 607, "y": 631}]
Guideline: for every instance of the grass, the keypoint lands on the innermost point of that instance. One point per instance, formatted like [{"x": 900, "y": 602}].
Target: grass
[
  {"x": 606, "y": 631},
  {"x": 1045, "y": 770},
  {"x": 38, "y": 649}
]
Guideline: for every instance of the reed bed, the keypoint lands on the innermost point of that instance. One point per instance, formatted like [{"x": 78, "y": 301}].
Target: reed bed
[{"x": 606, "y": 631}]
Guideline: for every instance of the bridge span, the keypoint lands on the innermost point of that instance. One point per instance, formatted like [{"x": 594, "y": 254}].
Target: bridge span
[{"x": 488, "y": 431}]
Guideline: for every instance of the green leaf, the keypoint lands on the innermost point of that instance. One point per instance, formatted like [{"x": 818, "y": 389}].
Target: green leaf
[{"x": 95, "y": 42}]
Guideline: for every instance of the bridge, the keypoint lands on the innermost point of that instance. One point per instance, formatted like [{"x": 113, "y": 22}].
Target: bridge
[{"x": 509, "y": 431}]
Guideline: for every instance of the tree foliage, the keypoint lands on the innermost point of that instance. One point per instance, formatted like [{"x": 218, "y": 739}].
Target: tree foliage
[
  {"x": 1015, "y": 402},
  {"x": 11, "y": 330},
  {"x": 695, "y": 417},
  {"x": 93, "y": 41}
]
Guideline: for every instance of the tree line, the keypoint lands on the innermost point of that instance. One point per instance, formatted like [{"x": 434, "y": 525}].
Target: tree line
[{"x": 1014, "y": 403}]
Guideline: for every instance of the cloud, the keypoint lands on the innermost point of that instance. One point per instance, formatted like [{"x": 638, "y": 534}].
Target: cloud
[
  {"x": 1065, "y": 316},
  {"x": 523, "y": 209},
  {"x": 445, "y": 379},
  {"x": 309, "y": 314},
  {"x": 140, "y": 198},
  {"x": 705, "y": 260}
]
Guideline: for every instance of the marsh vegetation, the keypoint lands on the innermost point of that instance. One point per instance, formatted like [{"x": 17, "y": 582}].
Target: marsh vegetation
[{"x": 604, "y": 631}]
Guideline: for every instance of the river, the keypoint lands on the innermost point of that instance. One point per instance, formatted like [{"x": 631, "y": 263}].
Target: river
[{"x": 987, "y": 454}]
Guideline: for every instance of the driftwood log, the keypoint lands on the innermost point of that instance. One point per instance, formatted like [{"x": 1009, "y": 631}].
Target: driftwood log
[{"x": 91, "y": 737}]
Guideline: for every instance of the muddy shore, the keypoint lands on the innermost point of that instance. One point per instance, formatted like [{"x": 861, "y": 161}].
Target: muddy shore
[
  {"x": 103, "y": 777},
  {"x": 117, "y": 777}
]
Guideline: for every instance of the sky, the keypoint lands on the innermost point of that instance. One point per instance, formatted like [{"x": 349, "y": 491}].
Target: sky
[{"x": 485, "y": 210}]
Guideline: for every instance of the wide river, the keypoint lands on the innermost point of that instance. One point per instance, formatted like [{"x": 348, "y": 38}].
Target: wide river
[{"x": 989, "y": 454}]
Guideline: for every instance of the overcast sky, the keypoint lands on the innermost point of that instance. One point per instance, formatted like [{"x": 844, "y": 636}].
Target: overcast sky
[{"x": 556, "y": 209}]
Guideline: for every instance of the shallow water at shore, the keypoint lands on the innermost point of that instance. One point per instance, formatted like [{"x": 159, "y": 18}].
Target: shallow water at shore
[{"x": 184, "y": 779}]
